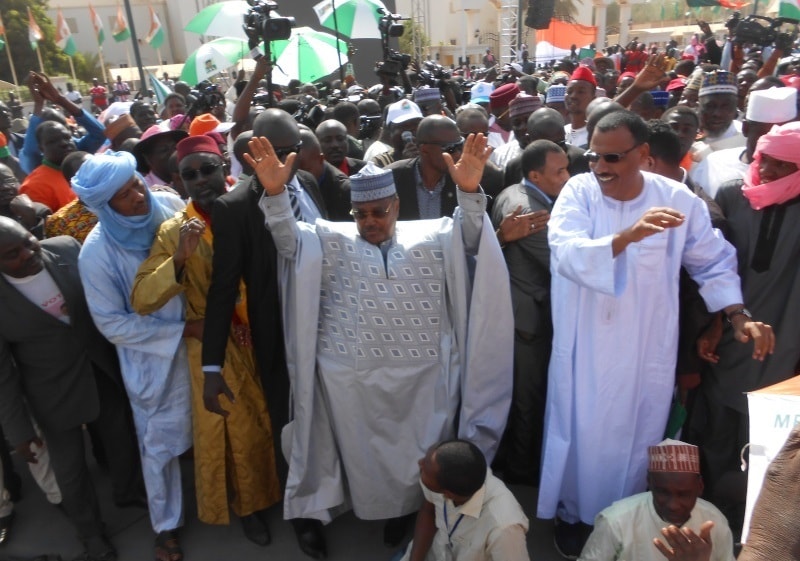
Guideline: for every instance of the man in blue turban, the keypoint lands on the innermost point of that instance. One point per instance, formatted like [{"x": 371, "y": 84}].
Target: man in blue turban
[{"x": 151, "y": 350}]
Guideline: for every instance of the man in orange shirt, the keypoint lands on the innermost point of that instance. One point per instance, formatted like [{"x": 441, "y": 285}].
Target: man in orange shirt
[{"x": 46, "y": 183}]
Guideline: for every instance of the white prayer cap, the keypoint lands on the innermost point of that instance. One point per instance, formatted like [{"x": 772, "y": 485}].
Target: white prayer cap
[
  {"x": 402, "y": 111},
  {"x": 775, "y": 105}
]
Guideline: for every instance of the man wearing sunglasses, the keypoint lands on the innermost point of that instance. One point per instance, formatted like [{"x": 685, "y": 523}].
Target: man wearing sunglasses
[
  {"x": 244, "y": 251},
  {"x": 424, "y": 184},
  {"x": 376, "y": 315},
  {"x": 234, "y": 456},
  {"x": 618, "y": 238}
]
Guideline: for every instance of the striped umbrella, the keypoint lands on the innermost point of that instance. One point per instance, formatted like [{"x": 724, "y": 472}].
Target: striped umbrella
[
  {"x": 212, "y": 58},
  {"x": 309, "y": 55},
  {"x": 223, "y": 19},
  {"x": 357, "y": 19}
]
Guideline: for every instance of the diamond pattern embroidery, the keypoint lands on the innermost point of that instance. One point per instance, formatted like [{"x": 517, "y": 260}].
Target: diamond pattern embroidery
[{"x": 368, "y": 315}]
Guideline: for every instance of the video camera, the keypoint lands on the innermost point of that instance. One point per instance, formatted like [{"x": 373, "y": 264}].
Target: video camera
[
  {"x": 206, "y": 97},
  {"x": 433, "y": 74},
  {"x": 368, "y": 126},
  {"x": 310, "y": 113},
  {"x": 260, "y": 25},
  {"x": 393, "y": 62},
  {"x": 761, "y": 30}
]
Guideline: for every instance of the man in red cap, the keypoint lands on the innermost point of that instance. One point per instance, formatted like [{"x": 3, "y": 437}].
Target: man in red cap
[
  {"x": 234, "y": 457},
  {"x": 500, "y": 121},
  {"x": 629, "y": 528},
  {"x": 580, "y": 92}
]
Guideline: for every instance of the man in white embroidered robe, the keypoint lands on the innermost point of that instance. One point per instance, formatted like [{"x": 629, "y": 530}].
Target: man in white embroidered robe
[{"x": 391, "y": 345}]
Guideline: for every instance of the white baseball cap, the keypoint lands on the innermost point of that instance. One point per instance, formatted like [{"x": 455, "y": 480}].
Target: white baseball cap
[
  {"x": 402, "y": 111},
  {"x": 480, "y": 92}
]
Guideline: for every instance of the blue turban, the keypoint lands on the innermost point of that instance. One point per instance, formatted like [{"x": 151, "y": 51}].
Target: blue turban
[{"x": 96, "y": 183}]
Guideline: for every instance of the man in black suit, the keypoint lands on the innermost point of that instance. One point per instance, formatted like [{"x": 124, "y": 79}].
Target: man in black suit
[
  {"x": 528, "y": 259},
  {"x": 332, "y": 136},
  {"x": 423, "y": 183},
  {"x": 548, "y": 124},
  {"x": 333, "y": 184},
  {"x": 244, "y": 251},
  {"x": 56, "y": 368}
]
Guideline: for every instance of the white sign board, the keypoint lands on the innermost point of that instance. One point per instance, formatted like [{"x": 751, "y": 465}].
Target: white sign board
[{"x": 774, "y": 411}]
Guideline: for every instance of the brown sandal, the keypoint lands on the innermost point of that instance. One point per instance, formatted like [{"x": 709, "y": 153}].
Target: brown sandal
[{"x": 167, "y": 547}]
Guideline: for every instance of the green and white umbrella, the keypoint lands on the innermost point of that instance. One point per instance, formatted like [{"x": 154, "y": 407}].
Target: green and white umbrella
[
  {"x": 212, "y": 58},
  {"x": 308, "y": 55},
  {"x": 223, "y": 19},
  {"x": 357, "y": 19}
]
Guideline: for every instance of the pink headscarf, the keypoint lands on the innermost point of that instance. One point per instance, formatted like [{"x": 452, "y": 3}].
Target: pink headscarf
[{"x": 782, "y": 143}]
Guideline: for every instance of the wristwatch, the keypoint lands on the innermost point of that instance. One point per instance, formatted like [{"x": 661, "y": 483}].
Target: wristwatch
[{"x": 739, "y": 311}]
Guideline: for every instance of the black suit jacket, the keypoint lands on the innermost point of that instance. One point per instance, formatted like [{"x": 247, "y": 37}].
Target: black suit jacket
[
  {"x": 405, "y": 180},
  {"x": 335, "y": 188},
  {"x": 244, "y": 250},
  {"x": 355, "y": 165},
  {"x": 577, "y": 164},
  {"x": 45, "y": 362}
]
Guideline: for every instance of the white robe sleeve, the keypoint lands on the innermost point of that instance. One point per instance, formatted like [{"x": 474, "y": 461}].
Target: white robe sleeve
[
  {"x": 280, "y": 221},
  {"x": 111, "y": 312},
  {"x": 575, "y": 254}
]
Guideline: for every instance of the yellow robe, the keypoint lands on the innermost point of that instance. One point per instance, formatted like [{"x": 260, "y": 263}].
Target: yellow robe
[{"x": 234, "y": 453}]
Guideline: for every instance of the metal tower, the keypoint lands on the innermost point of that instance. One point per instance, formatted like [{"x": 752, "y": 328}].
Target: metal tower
[
  {"x": 509, "y": 31},
  {"x": 419, "y": 9}
]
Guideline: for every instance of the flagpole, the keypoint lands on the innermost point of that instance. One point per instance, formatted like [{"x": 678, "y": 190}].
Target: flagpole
[
  {"x": 72, "y": 68},
  {"x": 11, "y": 61},
  {"x": 102, "y": 63},
  {"x": 39, "y": 54},
  {"x": 130, "y": 64},
  {"x": 158, "y": 53}
]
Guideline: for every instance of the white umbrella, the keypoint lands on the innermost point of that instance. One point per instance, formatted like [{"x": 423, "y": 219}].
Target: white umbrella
[
  {"x": 212, "y": 58},
  {"x": 223, "y": 19},
  {"x": 308, "y": 55}
]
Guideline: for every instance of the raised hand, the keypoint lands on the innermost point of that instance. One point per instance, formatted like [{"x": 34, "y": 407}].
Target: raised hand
[
  {"x": 467, "y": 172},
  {"x": 653, "y": 72},
  {"x": 684, "y": 544},
  {"x": 655, "y": 220},
  {"x": 271, "y": 172},
  {"x": 190, "y": 233}
]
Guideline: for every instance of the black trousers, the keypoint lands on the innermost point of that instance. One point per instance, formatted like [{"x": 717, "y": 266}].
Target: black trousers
[{"x": 67, "y": 450}]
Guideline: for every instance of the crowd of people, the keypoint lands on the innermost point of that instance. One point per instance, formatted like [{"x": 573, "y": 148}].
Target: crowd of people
[{"x": 398, "y": 299}]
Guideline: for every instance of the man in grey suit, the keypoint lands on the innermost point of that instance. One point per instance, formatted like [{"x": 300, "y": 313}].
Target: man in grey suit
[
  {"x": 544, "y": 165},
  {"x": 56, "y": 368}
]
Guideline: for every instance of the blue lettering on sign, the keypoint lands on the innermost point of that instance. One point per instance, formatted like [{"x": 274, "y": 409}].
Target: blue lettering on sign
[{"x": 786, "y": 421}]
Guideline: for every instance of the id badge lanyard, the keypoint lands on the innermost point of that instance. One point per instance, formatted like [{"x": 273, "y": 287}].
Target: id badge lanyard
[{"x": 451, "y": 531}]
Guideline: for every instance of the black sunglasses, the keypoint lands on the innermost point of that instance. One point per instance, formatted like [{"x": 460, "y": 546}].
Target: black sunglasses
[
  {"x": 205, "y": 170},
  {"x": 449, "y": 147},
  {"x": 281, "y": 153},
  {"x": 611, "y": 158}
]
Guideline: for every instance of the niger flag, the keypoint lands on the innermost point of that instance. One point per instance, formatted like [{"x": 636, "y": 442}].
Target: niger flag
[{"x": 556, "y": 40}]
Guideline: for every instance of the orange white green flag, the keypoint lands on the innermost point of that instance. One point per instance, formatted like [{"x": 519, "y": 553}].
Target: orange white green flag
[
  {"x": 97, "y": 23},
  {"x": 64, "y": 38},
  {"x": 120, "y": 30},
  {"x": 34, "y": 31},
  {"x": 156, "y": 36}
]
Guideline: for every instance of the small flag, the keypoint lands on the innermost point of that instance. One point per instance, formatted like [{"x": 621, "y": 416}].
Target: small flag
[
  {"x": 789, "y": 9},
  {"x": 120, "y": 31},
  {"x": 2, "y": 27},
  {"x": 158, "y": 88},
  {"x": 156, "y": 35},
  {"x": 34, "y": 31},
  {"x": 97, "y": 23},
  {"x": 64, "y": 35}
]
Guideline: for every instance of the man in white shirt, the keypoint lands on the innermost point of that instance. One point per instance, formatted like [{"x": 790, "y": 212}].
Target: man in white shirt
[
  {"x": 627, "y": 529},
  {"x": 717, "y": 108},
  {"x": 468, "y": 514}
]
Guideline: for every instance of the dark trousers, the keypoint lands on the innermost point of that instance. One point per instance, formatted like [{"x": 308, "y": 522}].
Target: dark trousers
[
  {"x": 525, "y": 431},
  {"x": 68, "y": 459},
  {"x": 721, "y": 432}
]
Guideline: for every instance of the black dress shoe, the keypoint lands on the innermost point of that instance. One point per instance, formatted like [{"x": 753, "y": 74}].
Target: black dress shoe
[
  {"x": 569, "y": 538},
  {"x": 395, "y": 529},
  {"x": 256, "y": 529},
  {"x": 98, "y": 548},
  {"x": 5, "y": 527},
  {"x": 13, "y": 484},
  {"x": 310, "y": 537}
]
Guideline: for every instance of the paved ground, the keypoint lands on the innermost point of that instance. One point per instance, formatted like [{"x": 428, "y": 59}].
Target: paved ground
[{"x": 41, "y": 528}]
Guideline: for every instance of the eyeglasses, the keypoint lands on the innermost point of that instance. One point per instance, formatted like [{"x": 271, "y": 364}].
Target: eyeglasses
[
  {"x": 359, "y": 214},
  {"x": 612, "y": 158},
  {"x": 449, "y": 147},
  {"x": 281, "y": 153},
  {"x": 205, "y": 170}
]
